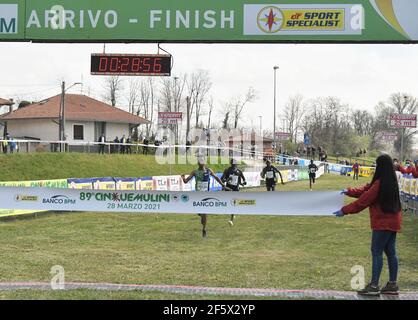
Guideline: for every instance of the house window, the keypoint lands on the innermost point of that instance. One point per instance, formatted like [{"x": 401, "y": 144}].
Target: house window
[{"x": 78, "y": 132}]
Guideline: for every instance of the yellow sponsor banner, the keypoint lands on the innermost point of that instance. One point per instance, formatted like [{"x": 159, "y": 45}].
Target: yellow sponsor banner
[
  {"x": 404, "y": 187},
  {"x": 409, "y": 186},
  {"x": 147, "y": 185},
  {"x": 313, "y": 19},
  {"x": 366, "y": 172},
  {"x": 104, "y": 185},
  {"x": 22, "y": 197},
  {"x": 415, "y": 191},
  {"x": 240, "y": 202},
  {"x": 125, "y": 185},
  {"x": 59, "y": 183},
  {"x": 81, "y": 185},
  {"x": 412, "y": 187},
  {"x": 285, "y": 175}
]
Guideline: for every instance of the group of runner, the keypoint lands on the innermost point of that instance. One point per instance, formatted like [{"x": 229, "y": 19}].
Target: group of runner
[
  {"x": 381, "y": 196},
  {"x": 233, "y": 178}
]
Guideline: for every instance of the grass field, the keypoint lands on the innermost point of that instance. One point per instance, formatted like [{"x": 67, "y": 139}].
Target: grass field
[
  {"x": 263, "y": 252},
  {"x": 44, "y": 166}
]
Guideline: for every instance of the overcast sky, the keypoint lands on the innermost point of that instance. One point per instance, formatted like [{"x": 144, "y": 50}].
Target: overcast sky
[{"x": 360, "y": 75}]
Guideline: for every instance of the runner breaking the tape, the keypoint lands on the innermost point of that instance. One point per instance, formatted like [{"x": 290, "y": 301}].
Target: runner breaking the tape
[
  {"x": 234, "y": 178},
  {"x": 202, "y": 179},
  {"x": 270, "y": 174},
  {"x": 312, "y": 169}
]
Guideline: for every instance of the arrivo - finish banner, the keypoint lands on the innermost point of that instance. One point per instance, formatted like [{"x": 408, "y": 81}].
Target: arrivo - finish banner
[
  {"x": 246, "y": 203},
  {"x": 209, "y": 21}
]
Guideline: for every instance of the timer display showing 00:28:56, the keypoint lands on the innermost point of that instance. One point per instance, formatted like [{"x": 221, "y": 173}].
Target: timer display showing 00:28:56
[{"x": 147, "y": 65}]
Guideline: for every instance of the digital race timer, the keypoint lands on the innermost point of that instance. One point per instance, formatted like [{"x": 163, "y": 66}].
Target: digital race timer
[{"x": 131, "y": 64}]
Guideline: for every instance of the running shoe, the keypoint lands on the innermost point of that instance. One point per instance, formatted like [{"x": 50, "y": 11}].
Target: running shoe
[
  {"x": 231, "y": 223},
  {"x": 390, "y": 288},
  {"x": 370, "y": 290},
  {"x": 204, "y": 233}
]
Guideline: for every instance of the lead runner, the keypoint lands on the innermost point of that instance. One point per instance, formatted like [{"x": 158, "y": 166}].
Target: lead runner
[{"x": 202, "y": 181}]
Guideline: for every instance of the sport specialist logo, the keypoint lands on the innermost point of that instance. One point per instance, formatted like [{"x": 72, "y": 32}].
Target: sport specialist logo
[
  {"x": 243, "y": 202},
  {"x": 8, "y": 18},
  {"x": 277, "y": 20},
  {"x": 270, "y": 19},
  {"x": 20, "y": 197}
]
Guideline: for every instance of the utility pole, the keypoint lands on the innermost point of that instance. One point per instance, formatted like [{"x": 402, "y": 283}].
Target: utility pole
[
  {"x": 261, "y": 126},
  {"x": 63, "y": 114},
  {"x": 275, "y": 68},
  {"x": 402, "y": 138},
  {"x": 188, "y": 101},
  {"x": 176, "y": 107},
  {"x": 403, "y": 129},
  {"x": 62, "y": 136},
  {"x": 62, "y": 117}
]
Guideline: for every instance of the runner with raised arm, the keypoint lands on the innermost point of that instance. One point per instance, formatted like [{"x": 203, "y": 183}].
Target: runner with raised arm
[{"x": 202, "y": 182}]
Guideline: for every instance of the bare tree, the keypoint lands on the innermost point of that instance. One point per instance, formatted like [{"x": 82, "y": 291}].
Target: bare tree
[
  {"x": 147, "y": 101},
  {"x": 328, "y": 125},
  {"x": 363, "y": 122},
  {"x": 113, "y": 86},
  {"x": 294, "y": 112},
  {"x": 210, "y": 107},
  {"x": 133, "y": 95},
  {"x": 198, "y": 87},
  {"x": 225, "y": 122},
  {"x": 403, "y": 103},
  {"x": 172, "y": 90},
  {"x": 237, "y": 105}
]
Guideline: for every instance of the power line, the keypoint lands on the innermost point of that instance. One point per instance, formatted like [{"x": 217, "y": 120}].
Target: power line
[
  {"x": 27, "y": 85},
  {"x": 35, "y": 92}
]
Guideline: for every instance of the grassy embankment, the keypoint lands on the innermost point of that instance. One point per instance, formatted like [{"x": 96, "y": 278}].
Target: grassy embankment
[{"x": 45, "y": 166}]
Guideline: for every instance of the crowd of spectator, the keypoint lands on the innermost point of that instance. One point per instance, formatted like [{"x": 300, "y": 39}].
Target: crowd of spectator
[
  {"x": 9, "y": 145},
  {"x": 121, "y": 145}
]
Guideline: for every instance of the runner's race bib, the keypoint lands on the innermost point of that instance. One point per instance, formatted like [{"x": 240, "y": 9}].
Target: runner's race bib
[
  {"x": 270, "y": 175},
  {"x": 233, "y": 180},
  {"x": 313, "y": 170},
  {"x": 202, "y": 186}
]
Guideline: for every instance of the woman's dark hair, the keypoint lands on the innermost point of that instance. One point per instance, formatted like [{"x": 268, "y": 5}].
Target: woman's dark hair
[{"x": 389, "y": 190}]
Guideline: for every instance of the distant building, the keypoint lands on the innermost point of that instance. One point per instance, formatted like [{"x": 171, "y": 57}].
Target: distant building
[
  {"x": 86, "y": 119},
  {"x": 4, "y": 103},
  {"x": 247, "y": 140}
]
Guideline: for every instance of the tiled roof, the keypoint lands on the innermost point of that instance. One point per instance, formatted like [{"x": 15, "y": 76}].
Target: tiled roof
[
  {"x": 5, "y": 102},
  {"x": 77, "y": 108}
]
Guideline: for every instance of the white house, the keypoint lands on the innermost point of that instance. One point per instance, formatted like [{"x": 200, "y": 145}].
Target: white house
[{"x": 86, "y": 119}]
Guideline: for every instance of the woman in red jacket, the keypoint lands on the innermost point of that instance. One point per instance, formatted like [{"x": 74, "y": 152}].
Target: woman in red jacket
[{"x": 381, "y": 196}]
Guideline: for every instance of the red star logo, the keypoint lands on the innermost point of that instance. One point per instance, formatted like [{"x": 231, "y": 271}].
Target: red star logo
[{"x": 271, "y": 19}]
